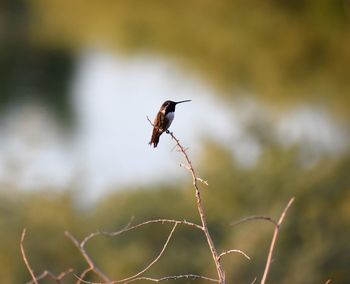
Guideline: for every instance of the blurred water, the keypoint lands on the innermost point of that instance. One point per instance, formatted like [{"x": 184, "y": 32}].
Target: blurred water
[{"x": 108, "y": 147}]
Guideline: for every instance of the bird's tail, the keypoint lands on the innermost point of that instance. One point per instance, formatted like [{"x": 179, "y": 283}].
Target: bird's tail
[{"x": 155, "y": 137}]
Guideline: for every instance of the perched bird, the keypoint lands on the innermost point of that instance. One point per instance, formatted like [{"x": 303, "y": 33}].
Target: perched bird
[{"x": 163, "y": 120}]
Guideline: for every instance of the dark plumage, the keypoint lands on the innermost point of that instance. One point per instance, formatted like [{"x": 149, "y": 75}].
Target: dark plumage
[{"x": 163, "y": 120}]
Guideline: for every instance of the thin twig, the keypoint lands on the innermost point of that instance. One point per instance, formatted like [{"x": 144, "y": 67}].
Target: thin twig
[
  {"x": 83, "y": 274},
  {"x": 45, "y": 273},
  {"x": 166, "y": 278},
  {"x": 154, "y": 261},
  {"x": 174, "y": 277},
  {"x": 94, "y": 234},
  {"x": 188, "y": 168},
  {"x": 92, "y": 266},
  {"x": 219, "y": 269},
  {"x": 273, "y": 241},
  {"x": 64, "y": 273},
  {"x": 234, "y": 251},
  {"x": 48, "y": 273},
  {"x": 203, "y": 181},
  {"x": 129, "y": 228},
  {"x": 256, "y": 217},
  {"x": 137, "y": 275},
  {"x": 25, "y": 259},
  {"x": 150, "y": 121}
]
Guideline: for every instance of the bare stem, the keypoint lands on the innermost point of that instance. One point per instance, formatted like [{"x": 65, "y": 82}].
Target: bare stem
[
  {"x": 92, "y": 266},
  {"x": 174, "y": 277},
  {"x": 216, "y": 258},
  {"x": 25, "y": 259},
  {"x": 273, "y": 241},
  {"x": 49, "y": 274},
  {"x": 44, "y": 274},
  {"x": 256, "y": 217},
  {"x": 162, "y": 221},
  {"x": 153, "y": 262},
  {"x": 136, "y": 276},
  {"x": 234, "y": 251}
]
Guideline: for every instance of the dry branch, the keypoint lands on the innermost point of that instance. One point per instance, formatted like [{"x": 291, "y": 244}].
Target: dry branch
[
  {"x": 92, "y": 266},
  {"x": 44, "y": 274},
  {"x": 48, "y": 273},
  {"x": 233, "y": 251},
  {"x": 255, "y": 217},
  {"x": 166, "y": 278},
  {"x": 162, "y": 221},
  {"x": 153, "y": 262},
  {"x": 273, "y": 241},
  {"x": 220, "y": 271},
  {"x": 25, "y": 259},
  {"x": 175, "y": 277},
  {"x": 88, "y": 259}
]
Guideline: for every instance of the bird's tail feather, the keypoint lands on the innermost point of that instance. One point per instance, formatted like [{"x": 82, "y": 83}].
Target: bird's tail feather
[{"x": 155, "y": 138}]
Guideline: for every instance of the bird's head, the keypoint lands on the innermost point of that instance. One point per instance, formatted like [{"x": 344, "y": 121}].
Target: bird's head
[{"x": 169, "y": 106}]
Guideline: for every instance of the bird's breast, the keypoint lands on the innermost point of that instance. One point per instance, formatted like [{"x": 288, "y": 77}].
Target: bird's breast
[{"x": 169, "y": 117}]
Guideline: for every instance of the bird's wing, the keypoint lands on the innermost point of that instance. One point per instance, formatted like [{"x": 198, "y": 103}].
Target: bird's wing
[
  {"x": 159, "y": 121},
  {"x": 157, "y": 131}
]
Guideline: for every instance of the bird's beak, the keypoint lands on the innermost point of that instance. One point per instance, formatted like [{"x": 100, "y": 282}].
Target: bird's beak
[{"x": 185, "y": 101}]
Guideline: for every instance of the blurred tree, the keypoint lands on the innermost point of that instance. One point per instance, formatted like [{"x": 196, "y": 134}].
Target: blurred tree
[
  {"x": 29, "y": 71},
  {"x": 278, "y": 50}
]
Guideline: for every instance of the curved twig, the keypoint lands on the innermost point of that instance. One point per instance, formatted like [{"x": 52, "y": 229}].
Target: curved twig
[
  {"x": 153, "y": 262},
  {"x": 234, "y": 251},
  {"x": 174, "y": 277},
  {"x": 25, "y": 259},
  {"x": 273, "y": 241},
  {"x": 44, "y": 274},
  {"x": 129, "y": 228},
  {"x": 97, "y": 233},
  {"x": 255, "y": 217},
  {"x": 135, "y": 276}
]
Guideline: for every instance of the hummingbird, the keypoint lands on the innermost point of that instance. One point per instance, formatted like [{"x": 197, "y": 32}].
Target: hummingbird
[{"x": 163, "y": 120}]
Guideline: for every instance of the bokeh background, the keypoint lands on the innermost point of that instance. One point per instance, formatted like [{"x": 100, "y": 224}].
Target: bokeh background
[{"x": 269, "y": 119}]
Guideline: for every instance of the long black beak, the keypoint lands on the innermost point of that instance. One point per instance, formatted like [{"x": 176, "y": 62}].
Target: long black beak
[{"x": 185, "y": 101}]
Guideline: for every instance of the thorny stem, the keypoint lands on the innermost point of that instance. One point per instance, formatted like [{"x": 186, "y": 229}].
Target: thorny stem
[{"x": 216, "y": 258}]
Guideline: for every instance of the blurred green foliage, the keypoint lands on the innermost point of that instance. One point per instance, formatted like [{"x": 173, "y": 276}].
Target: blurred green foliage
[
  {"x": 279, "y": 50},
  {"x": 30, "y": 71},
  {"x": 282, "y": 51},
  {"x": 312, "y": 246}
]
